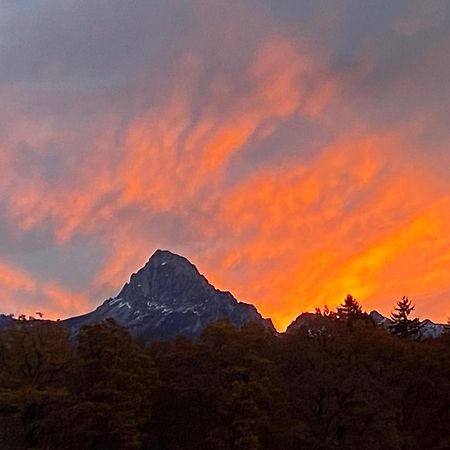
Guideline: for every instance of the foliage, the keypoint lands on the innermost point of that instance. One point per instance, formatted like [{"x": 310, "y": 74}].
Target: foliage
[
  {"x": 341, "y": 388},
  {"x": 402, "y": 325},
  {"x": 350, "y": 309}
]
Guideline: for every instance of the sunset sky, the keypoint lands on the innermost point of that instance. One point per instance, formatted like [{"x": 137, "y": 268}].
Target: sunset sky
[{"x": 294, "y": 150}]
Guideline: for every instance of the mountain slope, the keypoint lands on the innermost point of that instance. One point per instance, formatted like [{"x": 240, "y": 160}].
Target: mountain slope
[{"x": 168, "y": 297}]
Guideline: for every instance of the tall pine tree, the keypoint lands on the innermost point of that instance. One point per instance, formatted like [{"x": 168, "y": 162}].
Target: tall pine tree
[
  {"x": 402, "y": 325},
  {"x": 350, "y": 309}
]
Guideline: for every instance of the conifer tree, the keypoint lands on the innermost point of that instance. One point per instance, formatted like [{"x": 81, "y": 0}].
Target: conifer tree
[
  {"x": 350, "y": 309},
  {"x": 402, "y": 325},
  {"x": 447, "y": 327}
]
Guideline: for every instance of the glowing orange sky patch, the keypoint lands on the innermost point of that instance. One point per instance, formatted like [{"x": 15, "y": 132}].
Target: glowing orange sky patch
[
  {"x": 13, "y": 278},
  {"x": 64, "y": 303},
  {"x": 311, "y": 236}
]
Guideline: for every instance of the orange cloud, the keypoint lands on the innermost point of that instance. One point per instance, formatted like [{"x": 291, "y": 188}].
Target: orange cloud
[
  {"x": 23, "y": 294},
  {"x": 64, "y": 303},
  {"x": 345, "y": 222},
  {"x": 13, "y": 278}
]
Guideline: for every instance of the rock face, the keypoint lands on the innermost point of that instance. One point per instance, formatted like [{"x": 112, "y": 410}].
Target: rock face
[
  {"x": 379, "y": 319},
  {"x": 431, "y": 330},
  {"x": 304, "y": 320},
  {"x": 168, "y": 297}
]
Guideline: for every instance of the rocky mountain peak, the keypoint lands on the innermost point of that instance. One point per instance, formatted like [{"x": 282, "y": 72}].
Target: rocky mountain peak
[
  {"x": 168, "y": 282},
  {"x": 169, "y": 297},
  {"x": 166, "y": 276}
]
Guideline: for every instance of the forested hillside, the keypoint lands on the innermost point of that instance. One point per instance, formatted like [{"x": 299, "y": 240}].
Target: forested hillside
[{"x": 337, "y": 384}]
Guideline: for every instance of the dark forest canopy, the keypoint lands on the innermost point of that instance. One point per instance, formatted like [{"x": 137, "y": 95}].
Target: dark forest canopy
[{"x": 340, "y": 383}]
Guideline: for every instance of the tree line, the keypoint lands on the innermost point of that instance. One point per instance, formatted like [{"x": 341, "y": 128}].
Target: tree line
[
  {"x": 340, "y": 383},
  {"x": 400, "y": 323}
]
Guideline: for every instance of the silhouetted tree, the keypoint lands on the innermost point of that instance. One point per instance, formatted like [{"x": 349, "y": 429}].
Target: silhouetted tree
[
  {"x": 402, "y": 325},
  {"x": 326, "y": 312},
  {"x": 350, "y": 310},
  {"x": 34, "y": 357},
  {"x": 339, "y": 387}
]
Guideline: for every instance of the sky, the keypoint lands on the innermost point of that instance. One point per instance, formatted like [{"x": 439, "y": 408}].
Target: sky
[{"x": 294, "y": 150}]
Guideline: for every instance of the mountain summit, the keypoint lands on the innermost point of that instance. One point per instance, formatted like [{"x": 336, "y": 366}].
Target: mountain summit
[{"x": 169, "y": 297}]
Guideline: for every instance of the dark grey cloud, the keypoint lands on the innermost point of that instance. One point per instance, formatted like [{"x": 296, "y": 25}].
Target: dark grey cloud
[{"x": 85, "y": 43}]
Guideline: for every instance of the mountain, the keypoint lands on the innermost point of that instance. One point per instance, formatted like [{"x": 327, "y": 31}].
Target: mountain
[{"x": 168, "y": 297}]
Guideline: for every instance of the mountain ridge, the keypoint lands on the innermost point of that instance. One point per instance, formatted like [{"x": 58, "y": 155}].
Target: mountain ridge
[
  {"x": 427, "y": 328},
  {"x": 169, "y": 297}
]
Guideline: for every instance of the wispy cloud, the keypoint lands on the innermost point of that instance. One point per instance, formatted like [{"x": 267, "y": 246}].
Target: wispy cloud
[{"x": 293, "y": 164}]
